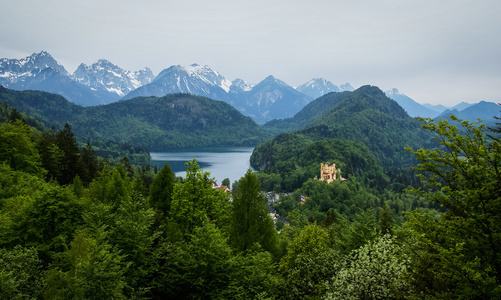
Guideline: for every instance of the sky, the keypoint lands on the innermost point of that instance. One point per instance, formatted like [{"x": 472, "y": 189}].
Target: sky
[{"x": 434, "y": 51}]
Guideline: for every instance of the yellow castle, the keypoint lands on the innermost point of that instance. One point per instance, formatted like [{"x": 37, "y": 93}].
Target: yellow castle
[{"x": 329, "y": 173}]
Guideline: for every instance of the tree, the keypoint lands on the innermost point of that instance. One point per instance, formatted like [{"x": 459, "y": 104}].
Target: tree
[
  {"x": 18, "y": 149},
  {"x": 161, "y": 190},
  {"x": 49, "y": 222},
  {"x": 253, "y": 276},
  {"x": 377, "y": 270},
  {"x": 90, "y": 163},
  {"x": 226, "y": 182},
  {"x": 198, "y": 268},
  {"x": 20, "y": 273},
  {"x": 72, "y": 162},
  {"x": 311, "y": 238},
  {"x": 52, "y": 157},
  {"x": 95, "y": 270},
  {"x": 112, "y": 187},
  {"x": 464, "y": 177},
  {"x": 195, "y": 201},
  {"x": 250, "y": 221},
  {"x": 15, "y": 115}
]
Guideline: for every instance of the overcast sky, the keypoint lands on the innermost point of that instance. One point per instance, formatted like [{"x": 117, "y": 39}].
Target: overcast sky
[{"x": 435, "y": 51}]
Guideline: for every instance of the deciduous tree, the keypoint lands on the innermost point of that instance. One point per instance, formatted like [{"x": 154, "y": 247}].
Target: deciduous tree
[{"x": 464, "y": 176}]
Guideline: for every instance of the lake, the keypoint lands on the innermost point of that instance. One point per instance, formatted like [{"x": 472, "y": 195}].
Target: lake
[{"x": 221, "y": 162}]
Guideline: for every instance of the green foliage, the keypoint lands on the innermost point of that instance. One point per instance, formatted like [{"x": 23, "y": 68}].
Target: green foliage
[
  {"x": 48, "y": 222},
  {"x": 377, "y": 270},
  {"x": 75, "y": 227},
  {"x": 311, "y": 238},
  {"x": 95, "y": 271},
  {"x": 52, "y": 157},
  {"x": 365, "y": 115},
  {"x": 250, "y": 221},
  {"x": 172, "y": 121},
  {"x": 308, "y": 278},
  {"x": 131, "y": 231},
  {"x": 206, "y": 262},
  {"x": 18, "y": 149},
  {"x": 253, "y": 276},
  {"x": 112, "y": 186},
  {"x": 72, "y": 164},
  {"x": 464, "y": 177},
  {"x": 198, "y": 268},
  {"x": 291, "y": 159},
  {"x": 161, "y": 190},
  {"x": 194, "y": 201},
  {"x": 226, "y": 182},
  {"x": 21, "y": 275}
]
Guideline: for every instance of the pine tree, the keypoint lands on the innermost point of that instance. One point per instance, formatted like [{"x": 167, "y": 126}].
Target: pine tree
[{"x": 72, "y": 163}]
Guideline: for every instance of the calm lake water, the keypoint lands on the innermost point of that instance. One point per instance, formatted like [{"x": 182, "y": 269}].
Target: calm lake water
[{"x": 221, "y": 162}]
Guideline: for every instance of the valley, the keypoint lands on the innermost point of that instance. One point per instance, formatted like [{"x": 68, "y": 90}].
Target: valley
[{"x": 132, "y": 187}]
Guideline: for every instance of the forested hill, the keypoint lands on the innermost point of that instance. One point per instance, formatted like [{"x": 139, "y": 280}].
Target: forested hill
[
  {"x": 52, "y": 109},
  {"x": 364, "y": 115},
  {"x": 173, "y": 121}
]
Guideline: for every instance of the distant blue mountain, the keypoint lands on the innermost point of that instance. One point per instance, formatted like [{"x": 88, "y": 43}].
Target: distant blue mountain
[
  {"x": 318, "y": 87},
  {"x": 270, "y": 99},
  {"x": 412, "y": 108},
  {"x": 462, "y": 106},
  {"x": 482, "y": 110},
  {"x": 437, "y": 108}
]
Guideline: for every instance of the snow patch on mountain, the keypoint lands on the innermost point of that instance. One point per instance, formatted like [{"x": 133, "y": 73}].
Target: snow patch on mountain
[
  {"x": 318, "y": 87},
  {"x": 103, "y": 75}
]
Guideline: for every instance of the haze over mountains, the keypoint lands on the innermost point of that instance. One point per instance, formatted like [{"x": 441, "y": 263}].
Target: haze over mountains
[{"x": 104, "y": 83}]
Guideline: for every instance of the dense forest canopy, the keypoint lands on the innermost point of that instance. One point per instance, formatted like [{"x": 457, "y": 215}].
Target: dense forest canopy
[
  {"x": 77, "y": 225},
  {"x": 172, "y": 121},
  {"x": 364, "y": 115}
]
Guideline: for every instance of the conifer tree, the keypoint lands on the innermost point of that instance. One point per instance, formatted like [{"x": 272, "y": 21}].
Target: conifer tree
[
  {"x": 90, "y": 163},
  {"x": 250, "y": 221},
  {"x": 52, "y": 156},
  {"x": 72, "y": 163},
  {"x": 15, "y": 116}
]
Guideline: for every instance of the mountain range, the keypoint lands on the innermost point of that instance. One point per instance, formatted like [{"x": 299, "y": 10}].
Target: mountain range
[
  {"x": 415, "y": 109},
  {"x": 104, "y": 83},
  {"x": 483, "y": 110}
]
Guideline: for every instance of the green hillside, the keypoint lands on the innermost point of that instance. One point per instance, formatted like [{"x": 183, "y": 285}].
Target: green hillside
[
  {"x": 173, "y": 121},
  {"x": 365, "y": 115}
]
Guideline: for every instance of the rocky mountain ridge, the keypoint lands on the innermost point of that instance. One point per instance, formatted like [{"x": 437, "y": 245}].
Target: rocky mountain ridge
[{"x": 104, "y": 83}]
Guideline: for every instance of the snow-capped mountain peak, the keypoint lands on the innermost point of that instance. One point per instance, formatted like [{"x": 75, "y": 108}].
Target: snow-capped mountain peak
[
  {"x": 194, "y": 79},
  {"x": 208, "y": 75},
  {"x": 239, "y": 85},
  {"x": 29, "y": 65},
  {"x": 318, "y": 87},
  {"x": 346, "y": 87},
  {"x": 104, "y": 75},
  {"x": 393, "y": 92}
]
